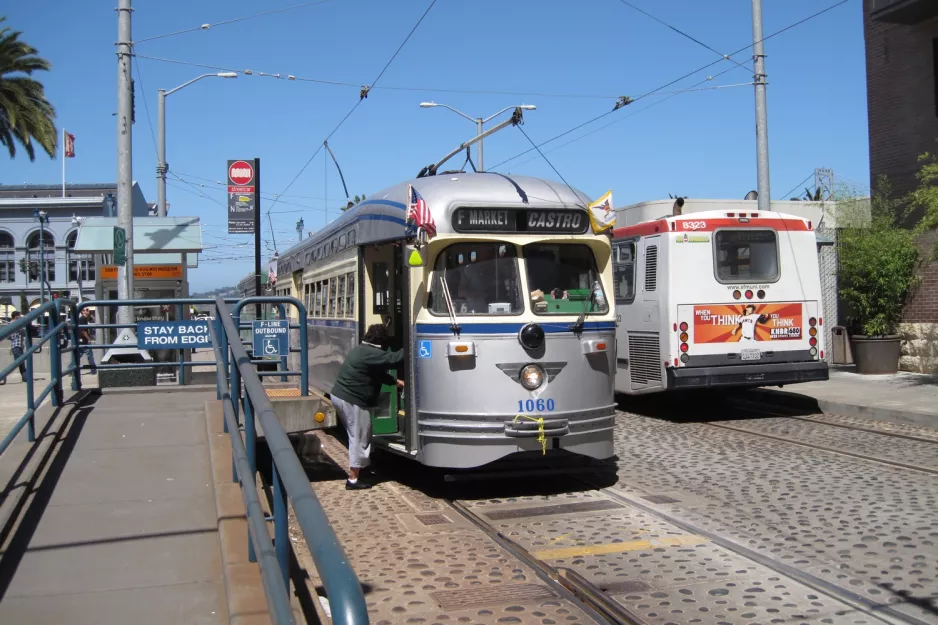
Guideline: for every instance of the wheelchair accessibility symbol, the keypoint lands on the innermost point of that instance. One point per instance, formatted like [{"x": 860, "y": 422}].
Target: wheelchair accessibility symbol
[
  {"x": 271, "y": 346},
  {"x": 424, "y": 349}
]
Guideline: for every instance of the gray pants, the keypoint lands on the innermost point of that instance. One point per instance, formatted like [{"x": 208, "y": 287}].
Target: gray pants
[{"x": 357, "y": 422}]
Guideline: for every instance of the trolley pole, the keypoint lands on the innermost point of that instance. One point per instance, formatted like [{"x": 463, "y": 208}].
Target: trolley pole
[
  {"x": 125, "y": 273},
  {"x": 257, "y": 235},
  {"x": 762, "y": 122}
]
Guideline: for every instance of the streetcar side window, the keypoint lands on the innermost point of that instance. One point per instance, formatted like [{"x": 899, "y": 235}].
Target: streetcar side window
[
  {"x": 623, "y": 269},
  {"x": 481, "y": 277},
  {"x": 746, "y": 255},
  {"x": 350, "y": 295},
  {"x": 332, "y": 298}
]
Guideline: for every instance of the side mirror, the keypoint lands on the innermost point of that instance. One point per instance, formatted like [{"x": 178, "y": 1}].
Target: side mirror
[{"x": 415, "y": 257}]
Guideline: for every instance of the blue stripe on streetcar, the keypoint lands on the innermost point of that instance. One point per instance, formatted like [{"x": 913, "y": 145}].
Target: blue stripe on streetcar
[{"x": 510, "y": 328}]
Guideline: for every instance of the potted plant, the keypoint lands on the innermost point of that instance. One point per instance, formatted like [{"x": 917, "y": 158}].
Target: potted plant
[{"x": 877, "y": 259}]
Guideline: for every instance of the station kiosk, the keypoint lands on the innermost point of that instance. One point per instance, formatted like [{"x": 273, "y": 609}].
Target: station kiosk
[{"x": 165, "y": 248}]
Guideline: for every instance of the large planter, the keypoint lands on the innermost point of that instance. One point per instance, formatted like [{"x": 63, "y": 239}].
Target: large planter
[{"x": 876, "y": 354}]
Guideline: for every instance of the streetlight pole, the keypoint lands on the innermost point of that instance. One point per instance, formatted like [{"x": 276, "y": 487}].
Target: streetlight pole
[
  {"x": 299, "y": 229},
  {"x": 480, "y": 122},
  {"x": 125, "y": 273},
  {"x": 162, "y": 167},
  {"x": 41, "y": 216}
]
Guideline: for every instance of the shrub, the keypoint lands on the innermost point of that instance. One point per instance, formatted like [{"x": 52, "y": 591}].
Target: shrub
[{"x": 878, "y": 259}]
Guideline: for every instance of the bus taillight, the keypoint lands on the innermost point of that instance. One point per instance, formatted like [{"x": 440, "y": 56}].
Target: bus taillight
[
  {"x": 683, "y": 327},
  {"x": 748, "y": 294},
  {"x": 812, "y": 322}
]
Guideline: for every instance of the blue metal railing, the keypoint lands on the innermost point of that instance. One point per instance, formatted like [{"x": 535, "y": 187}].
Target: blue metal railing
[
  {"x": 346, "y": 598},
  {"x": 56, "y": 335}
]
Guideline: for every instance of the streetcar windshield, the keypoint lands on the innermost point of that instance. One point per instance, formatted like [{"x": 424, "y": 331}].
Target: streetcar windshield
[
  {"x": 563, "y": 279},
  {"x": 481, "y": 277}
]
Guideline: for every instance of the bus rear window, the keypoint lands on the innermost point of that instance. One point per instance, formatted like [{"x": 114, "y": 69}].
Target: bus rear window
[{"x": 746, "y": 255}]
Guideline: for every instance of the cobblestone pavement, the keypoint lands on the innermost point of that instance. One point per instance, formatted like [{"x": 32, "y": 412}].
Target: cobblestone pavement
[
  {"x": 863, "y": 526},
  {"x": 421, "y": 561}
]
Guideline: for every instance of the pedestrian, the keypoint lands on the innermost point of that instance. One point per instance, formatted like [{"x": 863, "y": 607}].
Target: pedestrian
[
  {"x": 84, "y": 338},
  {"x": 356, "y": 391},
  {"x": 18, "y": 343}
]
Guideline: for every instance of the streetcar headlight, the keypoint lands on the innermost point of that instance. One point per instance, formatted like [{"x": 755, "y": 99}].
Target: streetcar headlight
[{"x": 532, "y": 377}]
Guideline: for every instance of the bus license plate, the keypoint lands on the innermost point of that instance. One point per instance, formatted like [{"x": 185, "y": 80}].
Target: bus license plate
[{"x": 750, "y": 354}]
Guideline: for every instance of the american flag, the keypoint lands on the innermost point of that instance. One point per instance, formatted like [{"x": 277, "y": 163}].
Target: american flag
[{"x": 419, "y": 213}]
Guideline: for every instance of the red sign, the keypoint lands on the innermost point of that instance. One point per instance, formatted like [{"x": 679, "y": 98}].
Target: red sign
[
  {"x": 730, "y": 323},
  {"x": 240, "y": 173}
]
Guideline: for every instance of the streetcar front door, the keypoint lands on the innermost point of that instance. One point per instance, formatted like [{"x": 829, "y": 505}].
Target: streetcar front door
[{"x": 384, "y": 297}]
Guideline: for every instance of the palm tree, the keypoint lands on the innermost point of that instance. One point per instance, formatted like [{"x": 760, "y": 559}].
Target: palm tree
[{"x": 25, "y": 114}]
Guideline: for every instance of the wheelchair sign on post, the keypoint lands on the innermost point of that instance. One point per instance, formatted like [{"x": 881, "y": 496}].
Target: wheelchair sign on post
[{"x": 271, "y": 338}]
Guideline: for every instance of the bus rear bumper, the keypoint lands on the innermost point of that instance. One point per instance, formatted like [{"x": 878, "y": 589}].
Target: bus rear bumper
[{"x": 773, "y": 374}]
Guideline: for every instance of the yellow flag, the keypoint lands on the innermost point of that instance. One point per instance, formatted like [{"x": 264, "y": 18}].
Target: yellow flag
[{"x": 602, "y": 213}]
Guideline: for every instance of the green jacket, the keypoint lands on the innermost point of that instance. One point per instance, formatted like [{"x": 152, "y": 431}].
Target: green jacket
[{"x": 363, "y": 373}]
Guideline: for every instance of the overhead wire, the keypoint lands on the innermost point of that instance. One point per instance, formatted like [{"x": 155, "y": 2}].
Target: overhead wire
[
  {"x": 339, "y": 83},
  {"x": 363, "y": 95},
  {"x": 232, "y": 21},
  {"x": 795, "y": 188},
  {"x": 633, "y": 114},
  {"x": 672, "y": 82},
  {"x": 684, "y": 34}
]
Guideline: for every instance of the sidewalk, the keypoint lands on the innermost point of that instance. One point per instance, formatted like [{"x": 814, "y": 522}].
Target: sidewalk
[
  {"x": 903, "y": 397},
  {"x": 13, "y": 396}
]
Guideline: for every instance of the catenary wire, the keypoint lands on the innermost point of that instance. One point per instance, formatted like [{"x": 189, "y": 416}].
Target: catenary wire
[{"x": 677, "y": 80}]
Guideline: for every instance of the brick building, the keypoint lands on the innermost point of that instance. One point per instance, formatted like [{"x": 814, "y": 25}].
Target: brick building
[{"x": 902, "y": 98}]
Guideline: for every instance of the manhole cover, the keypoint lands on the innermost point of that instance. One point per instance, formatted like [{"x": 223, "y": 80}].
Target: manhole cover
[
  {"x": 566, "y": 508},
  {"x": 660, "y": 499},
  {"x": 459, "y": 599},
  {"x": 432, "y": 519}
]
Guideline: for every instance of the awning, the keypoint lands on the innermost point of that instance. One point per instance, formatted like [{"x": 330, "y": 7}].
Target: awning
[{"x": 179, "y": 235}]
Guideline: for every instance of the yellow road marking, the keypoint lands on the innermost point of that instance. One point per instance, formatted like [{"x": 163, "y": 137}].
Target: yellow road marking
[{"x": 632, "y": 545}]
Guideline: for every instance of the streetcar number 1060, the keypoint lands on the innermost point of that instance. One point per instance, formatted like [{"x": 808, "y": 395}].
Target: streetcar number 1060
[{"x": 536, "y": 405}]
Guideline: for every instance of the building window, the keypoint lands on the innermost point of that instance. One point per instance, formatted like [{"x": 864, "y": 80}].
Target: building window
[
  {"x": 34, "y": 258},
  {"x": 80, "y": 266},
  {"x": 7, "y": 258}
]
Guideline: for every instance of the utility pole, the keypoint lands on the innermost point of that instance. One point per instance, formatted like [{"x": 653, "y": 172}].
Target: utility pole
[
  {"x": 125, "y": 273},
  {"x": 161, "y": 166},
  {"x": 762, "y": 122}
]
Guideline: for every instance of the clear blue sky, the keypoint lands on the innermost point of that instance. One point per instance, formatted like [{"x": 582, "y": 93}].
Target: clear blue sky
[{"x": 699, "y": 144}]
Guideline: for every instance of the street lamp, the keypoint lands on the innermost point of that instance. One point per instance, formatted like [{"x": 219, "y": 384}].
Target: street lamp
[
  {"x": 76, "y": 223},
  {"x": 161, "y": 166},
  {"x": 299, "y": 229},
  {"x": 43, "y": 217},
  {"x": 478, "y": 120}
]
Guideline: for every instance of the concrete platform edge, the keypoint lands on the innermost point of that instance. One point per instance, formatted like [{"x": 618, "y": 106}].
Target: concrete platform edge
[
  {"x": 243, "y": 587},
  {"x": 793, "y": 399}
]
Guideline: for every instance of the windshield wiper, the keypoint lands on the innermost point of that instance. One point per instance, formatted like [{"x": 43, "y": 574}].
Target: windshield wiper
[
  {"x": 448, "y": 300},
  {"x": 581, "y": 320}
]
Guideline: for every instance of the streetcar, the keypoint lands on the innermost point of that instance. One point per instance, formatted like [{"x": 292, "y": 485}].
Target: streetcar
[
  {"x": 504, "y": 315},
  {"x": 717, "y": 299}
]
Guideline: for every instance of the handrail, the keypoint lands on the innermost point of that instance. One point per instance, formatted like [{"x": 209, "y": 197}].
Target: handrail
[
  {"x": 54, "y": 387},
  {"x": 275, "y": 588},
  {"x": 301, "y": 309},
  {"x": 346, "y": 598}
]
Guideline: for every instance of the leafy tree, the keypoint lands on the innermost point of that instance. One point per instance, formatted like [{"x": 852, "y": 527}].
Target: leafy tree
[{"x": 26, "y": 117}]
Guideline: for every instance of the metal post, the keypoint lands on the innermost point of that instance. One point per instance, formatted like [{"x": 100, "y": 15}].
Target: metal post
[
  {"x": 161, "y": 167},
  {"x": 30, "y": 397},
  {"x": 283, "y": 359},
  {"x": 42, "y": 268},
  {"x": 125, "y": 274},
  {"x": 762, "y": 123},
  {"x": 181, "y": 380},
  {"x": 257, "y": 236},
  {"x": 479, "y": 128},
  {"x": 76, "y": 354},
  {"x": 281, "y": 540},
  {"x": 250, "y": 447},
  {"x": 55, "y": 359}
]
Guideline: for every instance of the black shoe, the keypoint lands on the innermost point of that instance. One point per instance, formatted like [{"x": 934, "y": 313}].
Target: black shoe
[{"x": 359, "y": 485}]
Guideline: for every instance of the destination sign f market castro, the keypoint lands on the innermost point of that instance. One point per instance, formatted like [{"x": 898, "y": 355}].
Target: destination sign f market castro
[{"x": 172, "y": 335}]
